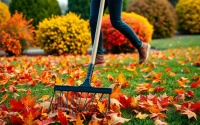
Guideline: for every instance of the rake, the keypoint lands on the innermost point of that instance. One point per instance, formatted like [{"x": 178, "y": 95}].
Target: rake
[{"x": 83, "y": 98}]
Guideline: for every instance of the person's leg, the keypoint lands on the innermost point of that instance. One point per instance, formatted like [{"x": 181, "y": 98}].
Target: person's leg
[
  {"x": 115, "y": 9},
  {"x": 94, "y": 11}
]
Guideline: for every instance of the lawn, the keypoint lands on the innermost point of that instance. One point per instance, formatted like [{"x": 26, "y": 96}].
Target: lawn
[{"x": 168, "y": 82}]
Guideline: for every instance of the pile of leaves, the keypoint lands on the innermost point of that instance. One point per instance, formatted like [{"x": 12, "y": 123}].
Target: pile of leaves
[{"x": 150, "y": 99}]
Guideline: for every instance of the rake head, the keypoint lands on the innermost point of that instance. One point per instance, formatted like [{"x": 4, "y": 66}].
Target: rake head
[{"x": 81, "y": 99}]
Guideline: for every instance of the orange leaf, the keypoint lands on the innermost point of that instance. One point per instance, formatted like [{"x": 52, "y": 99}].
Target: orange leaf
[
  {"x": 168, "y": 69},
  {"x": 78, "y": 120},
  {"x": 70, "y": 81},
  {"x": 179, "y": 91},
  {"x": 116, "y": 91},
  {"x": 29, "y": 119},
  {"x": 28, "y": 101},
  {"x": 154, "y": 109},
  {"x": 4, "y": 97}
]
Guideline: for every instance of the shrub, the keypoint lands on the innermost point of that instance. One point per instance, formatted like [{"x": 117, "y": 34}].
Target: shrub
[
  {"x": 116, "y": 42},
  {"x": 188, "y": 12},
  {"x": 36, "y": 9},
  {"x": 4, "y": 13},
  {"x": 16, "y": 34},
  {"x": 64, "y": 34},
  {"x": 160, "y": 13}
]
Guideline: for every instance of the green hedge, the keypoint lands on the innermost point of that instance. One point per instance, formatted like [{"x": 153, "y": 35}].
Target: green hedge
[{"x": 36, "y": 9}]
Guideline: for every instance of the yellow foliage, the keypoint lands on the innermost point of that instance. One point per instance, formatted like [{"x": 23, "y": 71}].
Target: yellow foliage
[
  {"x": 64, "y": 34},
  {"x": 4, "y": 13},
  {"x": 188, "y": 12}
]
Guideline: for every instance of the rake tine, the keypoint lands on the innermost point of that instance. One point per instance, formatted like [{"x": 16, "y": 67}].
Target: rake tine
[
  {"x": 85, "y": 102},
  {"x": 61, "y": 102},
  {"x": 79, "y": 102},
  {"x": 51, "y": 102},
  {"x": 101, "y": 97},
  {"x": 67, "y": 103},
  {"x": 107, "y": 108},
  {"x": 92, "y": 100},
  {"x": 71, "y": 103}
]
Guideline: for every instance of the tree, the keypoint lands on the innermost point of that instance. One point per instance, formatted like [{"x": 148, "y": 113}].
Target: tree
[{"x": 36, "y": 9}]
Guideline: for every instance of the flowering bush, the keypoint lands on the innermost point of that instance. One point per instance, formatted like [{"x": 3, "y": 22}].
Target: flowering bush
[
  {"x": 114, "y": 41},
  {"x": 16, "y": 34},
  {"x": 64, "y": 34},
  {"x": 188, "y": 12},
  {"x": 4, "y": 13},
  {"x": 160, "y": 13}
]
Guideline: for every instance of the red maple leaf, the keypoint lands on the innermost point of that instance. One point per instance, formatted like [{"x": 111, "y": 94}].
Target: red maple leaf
[
  {"x": 16, "y": 106},
  {"x": 62, "y": 118},
  {"x": 126, "y": 102},
  {"x": 195, "y": 84},
  {"x": 16, "y": 120}
]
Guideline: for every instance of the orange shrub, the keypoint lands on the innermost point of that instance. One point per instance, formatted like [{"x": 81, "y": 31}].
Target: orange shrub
[
  {"x": 116, "y": 42},
  {"x": 16, "y": 34}
]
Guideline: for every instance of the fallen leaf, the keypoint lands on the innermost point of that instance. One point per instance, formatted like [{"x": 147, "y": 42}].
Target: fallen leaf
[
  {"x": 141, "y": 116},
  {"x": 62, "y": 118},
  {"x": 44, "y": 97},
  {"x": 189, "y": 113},
  {"x": 159, "y": 122},
  {"x": 3, "y": 98},
  {"x": 195, "y": 84},
  {"x": 115, "y": 119}
]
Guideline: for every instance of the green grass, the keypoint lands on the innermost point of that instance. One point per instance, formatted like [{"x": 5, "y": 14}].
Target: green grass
[
  {"x": 176, "y": 42},
  {"x": 173, "y": 118}
]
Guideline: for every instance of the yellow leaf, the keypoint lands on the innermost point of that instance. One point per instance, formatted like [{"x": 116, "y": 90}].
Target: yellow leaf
[
  {"x": 4, "y": 97},
  {"x": 121, "y": 78},
  {"x": 141, "y": 116},
  {"x": 58, "y": 81},
  {"x": 101, "y": 107},
  {"x": 44, "y": 97},
  {"x": 134, "y": 102}
]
